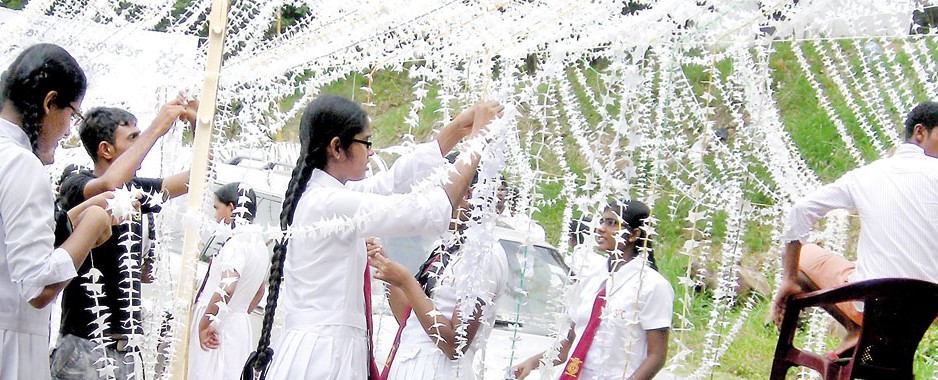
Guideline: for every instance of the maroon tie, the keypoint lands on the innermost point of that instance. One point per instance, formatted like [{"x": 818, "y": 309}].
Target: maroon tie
[
  {"x": 578, "y": 357},
  {"x": 372, "y": 367},
  {"x": 397, "y": 342}
]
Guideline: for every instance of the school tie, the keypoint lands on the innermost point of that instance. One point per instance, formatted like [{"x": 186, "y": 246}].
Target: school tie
[
  {"x": 372, "y": 367},
  {"x": 441, "y": 255},
  {"x": 397, "y": 342},
  {"x": 571, "y": 371}
]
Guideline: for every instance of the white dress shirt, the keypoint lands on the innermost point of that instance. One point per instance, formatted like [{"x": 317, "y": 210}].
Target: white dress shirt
[
  {"x": 28, "y": 261},
  {"x": 897, "y": 199},
  {"x": 638, "y": 299}
]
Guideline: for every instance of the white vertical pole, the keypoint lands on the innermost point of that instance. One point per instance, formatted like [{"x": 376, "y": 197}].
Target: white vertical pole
[{"x": 218, "y": 19}]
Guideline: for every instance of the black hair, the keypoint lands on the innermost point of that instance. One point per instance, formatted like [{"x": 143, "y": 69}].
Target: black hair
[
  {"x": 38, "y": 70},
  {"x": 925, "y": 113},
  {"x": 634, "y": 214},
  {"x": 231, "y": 194},
  {"x": 580, "y": 229},
  {"x": 325, "y": 118},
  {"x": 99, "y": 125}
]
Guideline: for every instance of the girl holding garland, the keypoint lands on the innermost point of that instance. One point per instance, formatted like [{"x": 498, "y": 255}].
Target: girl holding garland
[{"x": 326, "y": 325}]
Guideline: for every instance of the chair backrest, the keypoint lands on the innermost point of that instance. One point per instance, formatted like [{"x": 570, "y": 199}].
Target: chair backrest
[{"x": 897, "y": 313}]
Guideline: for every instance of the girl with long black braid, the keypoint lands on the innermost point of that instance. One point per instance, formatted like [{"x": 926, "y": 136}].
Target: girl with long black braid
[
  {"x": 326, "y": 319},
  {"x": 41, "y": 91}
]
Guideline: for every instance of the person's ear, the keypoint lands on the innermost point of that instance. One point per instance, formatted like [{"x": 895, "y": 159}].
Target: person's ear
[
  {"x": 919, "y": 132},
  {"x": 106, "y": 151},
  {"x": 335, "y": 148},
  {"x": 49, "y": 101},
  {"x": 633, "y": 237}
]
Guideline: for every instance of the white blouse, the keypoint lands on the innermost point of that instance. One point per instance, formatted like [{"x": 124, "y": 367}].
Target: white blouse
[
  {"x": 28, "y": 261},
  {"x": 459, "y": 275},
  {"x": 638, "y": 299},
  {"x": 324, "y": 276}
]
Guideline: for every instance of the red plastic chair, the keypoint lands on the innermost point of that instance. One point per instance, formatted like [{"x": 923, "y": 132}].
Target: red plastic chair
[{"x": 897, "y": 313}]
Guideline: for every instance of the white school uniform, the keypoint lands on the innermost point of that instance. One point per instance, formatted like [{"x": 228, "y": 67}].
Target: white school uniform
[
  {"x": 28, "y": 261},
  {"x": 638, "y": 299},
  {"x": 246, "y": 254},
  {"x": 418, "y": 357},
  {"x": 324, "y": 333}
]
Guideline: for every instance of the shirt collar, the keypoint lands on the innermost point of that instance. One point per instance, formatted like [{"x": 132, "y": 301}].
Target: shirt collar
[
  {"x": 14, "y": 132},
  {"x": 323, "y": 179},
  {"x": 908, "y": 150},
  {"x": 626, "y": 273}
]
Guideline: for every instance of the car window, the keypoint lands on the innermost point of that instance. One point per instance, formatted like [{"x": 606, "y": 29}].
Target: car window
[{"x": 535, "y": 286}]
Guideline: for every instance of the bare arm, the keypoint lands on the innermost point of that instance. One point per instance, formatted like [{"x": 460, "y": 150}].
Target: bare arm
[
  {"x": 208, "y": 337},
  {"x": 176, "y": 185},
  {"x": 657, "y": 352},
  {"x": 440, "y": 328},
  {"x": 398, "y": 302},
  {"x": 257, "y": 298},
  {"x": 124, "y": 166},
  {"x": 789, "y": 285},
  {"x": 460, "y": 178}
]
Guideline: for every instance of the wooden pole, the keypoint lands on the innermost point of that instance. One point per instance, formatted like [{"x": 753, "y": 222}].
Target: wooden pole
[{"x": 218, "y": 19}]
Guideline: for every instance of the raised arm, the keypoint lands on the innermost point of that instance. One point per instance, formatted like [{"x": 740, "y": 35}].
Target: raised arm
[
  {"x": 460, "y": 178},
  {"x": 125, "y": 165}
]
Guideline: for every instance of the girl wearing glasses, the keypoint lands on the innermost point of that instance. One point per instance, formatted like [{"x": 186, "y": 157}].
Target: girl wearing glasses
[
  {"x": 327, "y": 284},
  {"x": 620, "y": 316},
  {"x": 41, "y": 91}
]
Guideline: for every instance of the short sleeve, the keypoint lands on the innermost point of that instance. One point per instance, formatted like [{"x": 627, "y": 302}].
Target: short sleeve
[
  {"x": 659, "y": 306},
  {"x": 232, "y": 256}
]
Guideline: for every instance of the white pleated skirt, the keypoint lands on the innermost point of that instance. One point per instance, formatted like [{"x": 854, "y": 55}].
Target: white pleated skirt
[
  {"x": 321, "y": 352},
  {"x": 227, "y": 361},
  {"x": 24, "y": 356},
  {"x": 431, "y": 366}
]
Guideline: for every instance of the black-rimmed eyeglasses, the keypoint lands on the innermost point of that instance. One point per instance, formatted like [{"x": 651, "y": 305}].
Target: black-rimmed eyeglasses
[
  {"x": 76, "y": 116},
  {"x": 367, "y": 144}
]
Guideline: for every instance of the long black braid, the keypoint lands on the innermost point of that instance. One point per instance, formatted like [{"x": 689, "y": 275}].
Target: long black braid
[
  {"x": 325, "y": 118},
  {"x": 37, "y": 71}
]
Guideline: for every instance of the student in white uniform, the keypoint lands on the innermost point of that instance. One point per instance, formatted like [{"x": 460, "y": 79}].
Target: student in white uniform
[
  {"x": 435, "y": 340},
  {"x": 326, "y": 319},
  {"x": 41, "y": 92},
  {"x": 621, "y": 317},
  {"x": 220, "y": 340}
]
